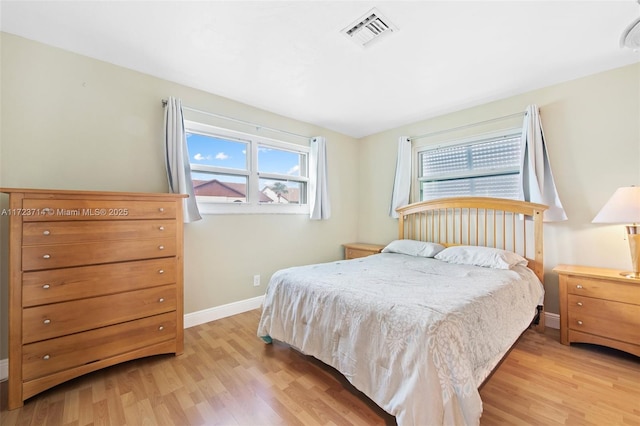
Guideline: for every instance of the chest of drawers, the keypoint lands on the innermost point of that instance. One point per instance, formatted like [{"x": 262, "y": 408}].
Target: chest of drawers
[
  {"x": 599, "y": 306},
  {"x": 95, "y": 279}
]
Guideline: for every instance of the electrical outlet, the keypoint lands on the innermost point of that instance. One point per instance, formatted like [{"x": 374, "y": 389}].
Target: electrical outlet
[{"x": 256, "y": 280}]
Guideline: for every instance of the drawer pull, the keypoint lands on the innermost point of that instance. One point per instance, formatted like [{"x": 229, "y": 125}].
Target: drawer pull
[
  {"x": 579, "y": 286},
  {"x": 579, "y": 322},
  {"x": 160, "y": 247},
  {"x": 161, "y": 228},
  {"x": 46, "y": 286},
  {"x": 161, "y": 300},
  {"x": 161, "y": 328},
  {"x": 161, "y": 209},
  {"x": 46, "y": 357},
  {"x": 161, "y": 271},
  {"x": 46, "y": 256},
  {"x": 46, "y": 232},
  {"x": 579, "y": 303},
  {"x": 47, "y": 321}
]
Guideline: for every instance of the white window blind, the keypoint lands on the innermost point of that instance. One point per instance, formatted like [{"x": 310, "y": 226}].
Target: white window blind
[{"x": 484, "y": 168}]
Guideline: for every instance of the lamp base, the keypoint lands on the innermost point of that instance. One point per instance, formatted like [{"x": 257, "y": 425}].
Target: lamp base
[
  {"x": 633, "y": 234},
  {"x": 632, "y": 275}
]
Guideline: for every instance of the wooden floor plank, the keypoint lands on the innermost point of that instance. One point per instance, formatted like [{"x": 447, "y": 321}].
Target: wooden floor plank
[
  {"x": 100, "y": 414},
  {"x": 229, "y": 377}
]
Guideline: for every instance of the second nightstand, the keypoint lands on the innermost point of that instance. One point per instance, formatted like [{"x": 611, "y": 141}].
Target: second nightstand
[
  {"x": 599, "y": 306},
  {"x": 355, "y": 250}
]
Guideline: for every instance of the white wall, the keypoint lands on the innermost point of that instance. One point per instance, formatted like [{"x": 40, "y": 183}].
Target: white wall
[{"x": 592, "y": 129}]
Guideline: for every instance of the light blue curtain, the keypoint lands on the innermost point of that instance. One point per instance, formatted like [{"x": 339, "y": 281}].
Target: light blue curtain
[
  {"x": 402, "y": 181},
  {"x": 320, "y": 207},
  {"x": 536, "y": 180},
  {"x": 177, "y": 158}
]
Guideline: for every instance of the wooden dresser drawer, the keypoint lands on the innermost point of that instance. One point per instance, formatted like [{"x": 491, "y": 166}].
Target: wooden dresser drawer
[
  {"x": 65, "y": 255},
  {"x": 603, "y": 289},
  {"x": 50, "y": 356},
  {"x": 55, "y": 210},
  {"x": 57, "y": 319},
  {"x": 84, "y": 231},
  {"x": 614, "y": 320},
  {"x": 59, "y": 285}
]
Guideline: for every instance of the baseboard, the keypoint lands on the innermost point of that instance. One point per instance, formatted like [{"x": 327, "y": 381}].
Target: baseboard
[
  {"x": 217, "y": 312},
  {"x": 552, "y": 320}
]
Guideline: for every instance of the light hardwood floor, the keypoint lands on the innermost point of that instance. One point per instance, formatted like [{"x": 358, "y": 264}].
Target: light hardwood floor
[{"x": 227, "y": 376}]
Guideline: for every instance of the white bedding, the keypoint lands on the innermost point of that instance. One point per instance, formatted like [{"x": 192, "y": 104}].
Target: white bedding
[{"x": 416, "y": 335}]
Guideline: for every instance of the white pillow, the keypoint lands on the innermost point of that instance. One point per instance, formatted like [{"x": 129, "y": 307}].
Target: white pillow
[
  {"x": 481, "y": 256},
  {"x": 413, "y": 248}
]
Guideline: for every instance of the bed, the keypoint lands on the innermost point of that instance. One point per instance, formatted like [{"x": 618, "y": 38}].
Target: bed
[{"x": 419, "y": 327}]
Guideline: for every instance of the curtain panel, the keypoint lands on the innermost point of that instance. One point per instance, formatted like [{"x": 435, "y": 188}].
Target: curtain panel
[
  {"x": 536, "y": 179},
  {"x": 177, "y": 158},
  {"x": 319, "y": 204},
  {"x": 402, "y": 180}
]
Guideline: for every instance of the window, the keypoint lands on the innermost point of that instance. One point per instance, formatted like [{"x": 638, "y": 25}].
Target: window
[
  {"x": 234, "y": 172},
  {"x": 484, "y": 167}
]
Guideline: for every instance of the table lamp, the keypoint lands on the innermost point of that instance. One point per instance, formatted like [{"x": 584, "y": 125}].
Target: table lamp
[{"x": 624, "y": 207}]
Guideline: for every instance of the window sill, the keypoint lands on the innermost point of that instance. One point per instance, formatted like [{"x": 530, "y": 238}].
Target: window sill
[{"x": 243, "y": 208}]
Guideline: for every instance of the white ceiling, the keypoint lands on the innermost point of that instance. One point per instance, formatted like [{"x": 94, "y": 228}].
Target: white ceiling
[{"x": 290, "y": 58}]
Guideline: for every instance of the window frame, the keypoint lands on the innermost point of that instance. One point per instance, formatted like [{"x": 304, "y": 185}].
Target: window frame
[
  {"x": 253, "y": 204},
  {"x": 479, "y": 138}
]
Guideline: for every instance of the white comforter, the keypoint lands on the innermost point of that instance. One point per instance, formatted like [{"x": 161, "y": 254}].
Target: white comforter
[{"x": 418, "y": 336}]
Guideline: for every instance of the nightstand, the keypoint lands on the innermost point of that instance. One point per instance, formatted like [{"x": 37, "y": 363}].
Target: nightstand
[
  {"x": 599, "y": 306},
  {"x": 355, "y": 250}
]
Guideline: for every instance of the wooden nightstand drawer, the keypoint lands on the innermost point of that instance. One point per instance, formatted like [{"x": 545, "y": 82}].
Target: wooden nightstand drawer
[
  {"x": 591, "y": 287},
  {"x": 351, "y": 253},
  {"x": 356, "y": 250},
  {"x": 614, "y": 320}
]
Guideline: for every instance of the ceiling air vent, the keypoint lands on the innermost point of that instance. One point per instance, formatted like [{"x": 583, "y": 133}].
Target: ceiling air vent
[{"x": 371, "y": 26}]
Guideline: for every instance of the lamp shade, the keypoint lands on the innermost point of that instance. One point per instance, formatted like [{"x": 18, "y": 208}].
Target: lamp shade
[{"x": 622, "y": 207}]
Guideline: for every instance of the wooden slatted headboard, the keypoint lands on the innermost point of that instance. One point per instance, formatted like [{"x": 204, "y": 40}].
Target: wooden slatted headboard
[{"x": 478, "y": 221}]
